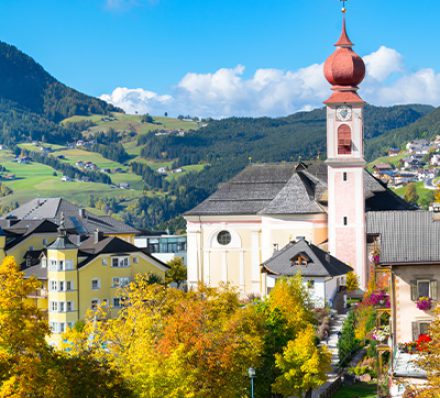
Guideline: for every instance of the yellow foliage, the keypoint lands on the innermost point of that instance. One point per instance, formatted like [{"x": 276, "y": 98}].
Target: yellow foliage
[
  {"x": 352, "y": 281},
  {"x": 303, "y": 365}
]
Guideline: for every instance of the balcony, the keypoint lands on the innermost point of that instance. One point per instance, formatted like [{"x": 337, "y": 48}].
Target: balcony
[{"x": 38, "y": 294}]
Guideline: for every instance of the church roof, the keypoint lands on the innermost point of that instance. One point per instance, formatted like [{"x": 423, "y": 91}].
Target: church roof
[
  {"x": 287, "y": 188},
  {"x": 76, "y": 219},
  {"x": 319, "y": 262},
  {"x": 406, "y": 236}
]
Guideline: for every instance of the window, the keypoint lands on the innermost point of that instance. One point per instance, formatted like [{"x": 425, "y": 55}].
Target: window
[
  {"x": 31, "y": 248},
  {"x": 344, "y": 140},
  {"x": 120, "y": 262},
  {"x": 116, "y": 302},
  {"x": 53, "y": 306},
  {"x": 69, "y": 285},
  {"x": 135, "y": 260},
  {"x": 310, "y": 284},
  {"x": 69, "y": 306},
  {"x": 61, "y": 307},
  {"x": 96, "y": 284},
  {"x": 420, "y": 327},
  {"x": 345, "y": 220},
  {"x": 69, "y": 264},
  {"x": 104, "y": 261},
  {"x": 61, "y": 286},
  {"x": 44, "y": 242},
  {"x": 43, "y": 263},
  {"x": 423, "y": 288},
  {"x": 424, "y": 327},
  {"x": 94, "y": 304},
  {"x": 53, "y": 286},
  {"x": 344, "y": 176},
  {"x": 53, "y": 326},
  {"x": 62, "y": 327},
  {"x": 53, "y": 265},
  {"x": 120, "y": 282},
  {"x": 61, "y": 265},
  {"x": 70, "y": 325},
  {"x": 224, "y": 238}
]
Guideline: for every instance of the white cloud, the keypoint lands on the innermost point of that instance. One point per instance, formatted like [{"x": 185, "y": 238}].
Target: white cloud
[
  {"x": 274, "y": 92},
  {"x": 383, "y": 63}
]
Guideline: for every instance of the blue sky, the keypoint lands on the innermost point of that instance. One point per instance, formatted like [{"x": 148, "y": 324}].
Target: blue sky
[{"x": 223, "y": 57}]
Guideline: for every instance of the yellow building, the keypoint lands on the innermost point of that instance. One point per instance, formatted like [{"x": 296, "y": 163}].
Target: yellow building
[
  {"x": 79, "y": 277},
  {"x": 81, "y": 259}
]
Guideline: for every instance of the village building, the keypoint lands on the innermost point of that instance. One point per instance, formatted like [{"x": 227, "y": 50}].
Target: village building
[{"x": 81, "y": 259}]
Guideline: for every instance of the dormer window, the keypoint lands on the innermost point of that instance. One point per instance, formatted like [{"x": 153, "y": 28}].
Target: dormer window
[
  {"x": 344, "y": 140},
  {"x": 300, "y": 259}
]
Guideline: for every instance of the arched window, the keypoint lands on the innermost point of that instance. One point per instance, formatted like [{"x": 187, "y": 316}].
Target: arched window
[{"x": 344, "y": 140}]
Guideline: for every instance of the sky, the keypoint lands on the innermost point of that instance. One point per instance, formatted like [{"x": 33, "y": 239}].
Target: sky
[{"x": 220, "y": 58}]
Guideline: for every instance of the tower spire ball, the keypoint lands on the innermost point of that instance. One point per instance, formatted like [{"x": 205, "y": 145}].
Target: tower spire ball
[{"x": 344, "y": 10}]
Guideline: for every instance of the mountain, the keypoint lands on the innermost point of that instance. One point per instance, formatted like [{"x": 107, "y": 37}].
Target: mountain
[
  {"x": 25, "y": 82},
  {"x": 427, "y": 126}
]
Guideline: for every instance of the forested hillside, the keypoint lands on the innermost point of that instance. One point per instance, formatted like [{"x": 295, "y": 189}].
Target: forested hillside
[{"x": 425, "y": 127}]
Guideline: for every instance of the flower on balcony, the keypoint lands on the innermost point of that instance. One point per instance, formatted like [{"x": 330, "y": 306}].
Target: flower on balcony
[
  {"x": 424, "y": 303},
  {"x": 423, "y": 343},
  {"x": 379, "y": 298},
  {"x": 375, "y": 256},
  {"x": 381, "y": 335}
]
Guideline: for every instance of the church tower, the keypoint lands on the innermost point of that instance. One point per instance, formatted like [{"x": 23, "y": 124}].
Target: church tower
[{"x": 345, "y": 70}]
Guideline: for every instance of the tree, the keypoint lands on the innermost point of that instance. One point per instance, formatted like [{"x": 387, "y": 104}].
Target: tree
[
  {"x": 347, "y": 343},
  {"x": 303, "y": 365},
  {"x": 352, "y": 281},
  {"x": 430, "y": 360},
  {"x": 411, "y": 195},
  {"x": 147, "y": 119},
  {"x": 177, "y": 272}
]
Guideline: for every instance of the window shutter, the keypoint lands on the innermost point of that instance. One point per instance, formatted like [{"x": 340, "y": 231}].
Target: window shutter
[
  {"x": 434, "y": 293},
  {"x": 414, "y": 295},
  {"x": 415, "y": 331}
]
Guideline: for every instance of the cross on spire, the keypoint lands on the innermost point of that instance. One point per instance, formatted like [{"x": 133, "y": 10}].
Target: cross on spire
[{"x": 344, "y": 10}]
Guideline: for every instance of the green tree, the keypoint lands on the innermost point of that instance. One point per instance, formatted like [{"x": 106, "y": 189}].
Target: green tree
[
  {"x": 411, "y": 195},
  {"x": 347, "y": 342},
  {"x": 177, "y": 272}
]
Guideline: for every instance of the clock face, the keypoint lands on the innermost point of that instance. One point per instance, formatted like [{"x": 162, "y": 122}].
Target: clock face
[{"x": 343, "y": 113}]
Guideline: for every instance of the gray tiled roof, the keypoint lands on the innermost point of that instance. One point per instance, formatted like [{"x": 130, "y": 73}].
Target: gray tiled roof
[
  {"x": 321, "y": 263},
  {"x": 287, "y": 188},
  {"x": 406, "y": 236},
  {"x": 76, "y": 219}
]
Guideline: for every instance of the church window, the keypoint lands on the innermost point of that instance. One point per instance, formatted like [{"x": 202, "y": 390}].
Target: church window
[
  {"x": 345, "y": 220},
  {"x": 224, "y": 238},
  {"x": 344, "y": 140},
  {"x": 344, "y": 176}
]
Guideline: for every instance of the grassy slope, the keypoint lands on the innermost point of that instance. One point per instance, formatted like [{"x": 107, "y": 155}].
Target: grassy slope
[{"x": 38, "y": 180}]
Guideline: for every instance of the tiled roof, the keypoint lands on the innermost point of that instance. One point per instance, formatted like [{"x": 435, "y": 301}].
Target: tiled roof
[
  {"x": 406, "y": 236},
  {"x": 287, "y": 188},
  {"x": 321, "y": 263},
  {"x": 76, "y": 219}
]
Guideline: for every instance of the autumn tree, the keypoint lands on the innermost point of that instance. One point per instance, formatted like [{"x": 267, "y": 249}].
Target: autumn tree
[
  {"x": 303, "y": 365},
  {"x": 177, "y": 272},
  {"x": 352, "y": 281},
  {"x": 411, "y": 195},
  {"x": 430, "y": 360},
  {"x": 26, "y": 361}
]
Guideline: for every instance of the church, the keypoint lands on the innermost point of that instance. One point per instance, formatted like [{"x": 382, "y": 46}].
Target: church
[{"x": 269, "y": 206}]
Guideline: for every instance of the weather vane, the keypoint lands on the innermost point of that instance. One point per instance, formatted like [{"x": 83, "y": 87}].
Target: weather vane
[{"x": 344, "y": 10}]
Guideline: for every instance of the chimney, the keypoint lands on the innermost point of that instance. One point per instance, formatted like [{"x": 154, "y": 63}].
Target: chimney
[
  {"x": 98, "y": 235},
  {"x": 275, "y": 247},
  {"x": 82, "y": 213}
]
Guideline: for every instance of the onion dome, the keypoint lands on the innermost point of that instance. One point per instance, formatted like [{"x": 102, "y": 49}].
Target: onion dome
[{"x": 344, "y": 67}]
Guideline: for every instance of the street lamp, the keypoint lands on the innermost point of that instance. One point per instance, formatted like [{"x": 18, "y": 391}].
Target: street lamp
[{"x": 251, "y": 373}]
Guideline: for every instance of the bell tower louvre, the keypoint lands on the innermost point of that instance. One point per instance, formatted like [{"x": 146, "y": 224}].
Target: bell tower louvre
[{"x": 345, "y": 70}]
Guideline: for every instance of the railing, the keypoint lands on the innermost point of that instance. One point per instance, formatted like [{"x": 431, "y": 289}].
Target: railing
[
  {"x": 38, "y": 293},
  {"x": 332, "y": 388}
]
